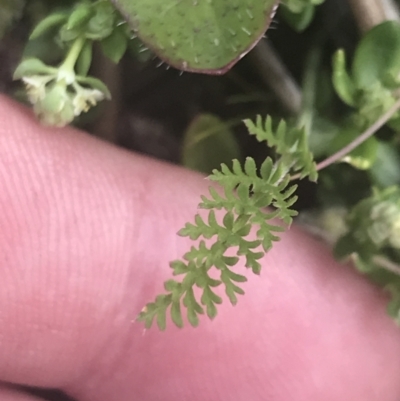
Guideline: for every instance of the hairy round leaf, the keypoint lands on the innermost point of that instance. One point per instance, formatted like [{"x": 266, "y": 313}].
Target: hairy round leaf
[{"x": 207, "y": 36}]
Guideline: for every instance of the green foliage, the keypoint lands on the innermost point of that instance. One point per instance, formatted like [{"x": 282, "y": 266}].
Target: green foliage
[
  {"x": 241, "y": 222},
  {"x": 298, "y": 6},
  {"x": 364, "y": 156},
  {"x": 82, "y": 19},
  {"x": 114, "y": 46},
  {"x": 371, "y": 88},
  {"x": 208, "y": 142},
  {"x": 60, "y": 94},
  {"x": 299, "y": 13},
  {"x": 206, "y": 36},
  {"x": 32, "y": 66},
  {"x": 375, "y": 71},
  {"x": 342, "y": 81},
  {"x": 94, "y": 21},
  {"x": 385, "y": 172},
  {"x": 373, "y": 240},
  {"x": 51, "y": 21},
  {"x": 243, "y": 227},
  {"x": 290, "y": 143},
  {"x": 374, "y": 224}
]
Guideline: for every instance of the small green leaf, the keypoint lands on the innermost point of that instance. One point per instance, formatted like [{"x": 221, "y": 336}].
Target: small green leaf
[
  {"x": 236, "y": 168},
  {"x": 299, "y": 21},
  {"x": 211, "y": 311},
  {"x": 342, "y": 82},
  {"x": 85, "y": 59},
  {"x": 178, "y": 267},
  {"x": 68, "y": 35},
  {"x": 48, "y": 23},
  {"x": 190, "y": 302},
  {"x": 377, "y": 53},
  {"x": 102, "y": 23},
  {"x": 250, "y": 167},
  {"x": 386, "y": 169},
  {"x": 266, "y": 168},
  {"x": 192, "y": 317},
  {"x": 231, "y": 260},
  {"x": 364, "y": 156},
  {"x": 32, "y": 66},
  {"x": 95, "y": 84},
  {"x": 162, "y": 319},
  {"x": 209, "y": 296},
  {"x": 290, "y": 143},
  {"x": 79, "y": 16},
  {"x": 171, "y": 285},
  {"x": 298, "y": 6},
  {"x": 231, "y": 289},
  {"x": 228, "y": 220},
  {"x": 114, "y": 46},
  {"x": 236, "y": 277},
  {"x": 176, "y": 314}
]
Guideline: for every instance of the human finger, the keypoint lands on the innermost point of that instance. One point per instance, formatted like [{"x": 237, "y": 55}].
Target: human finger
[{"x": 86, "y": 236}]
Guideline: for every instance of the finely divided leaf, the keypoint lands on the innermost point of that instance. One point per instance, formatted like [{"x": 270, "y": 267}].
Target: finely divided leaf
[{"x": 243, "y": 229}]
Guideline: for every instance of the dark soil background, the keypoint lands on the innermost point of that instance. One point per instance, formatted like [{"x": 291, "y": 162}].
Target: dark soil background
[{"x": 152, "y": 106}]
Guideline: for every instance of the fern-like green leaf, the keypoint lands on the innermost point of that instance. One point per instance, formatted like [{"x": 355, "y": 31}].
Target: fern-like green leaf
[
  {"x": 244, "y": 228},
  {"x": 289, "y": 143}
]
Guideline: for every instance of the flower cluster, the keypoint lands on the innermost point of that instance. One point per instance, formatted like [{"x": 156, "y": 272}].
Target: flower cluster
[{"x": 59, "y": 95}]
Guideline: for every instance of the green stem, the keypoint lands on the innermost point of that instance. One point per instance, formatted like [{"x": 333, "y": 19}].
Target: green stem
[
  {"x": 386, "y": 264},
  {"x": 362, "y": 138},
  {"x": 68, "y": 64},
  {"x": 358, "y": 141}
]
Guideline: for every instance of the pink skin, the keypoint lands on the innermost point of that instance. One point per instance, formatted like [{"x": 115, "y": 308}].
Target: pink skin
[{"x": 86, "y": 233}]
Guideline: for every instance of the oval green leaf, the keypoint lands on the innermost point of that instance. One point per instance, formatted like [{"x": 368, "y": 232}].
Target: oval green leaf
[
  {"x": 207, "y": 36},
  {"x": 364, "y": 156},
  {"x": 209, "y": 142},
  {"x": 378, "y": 55}
]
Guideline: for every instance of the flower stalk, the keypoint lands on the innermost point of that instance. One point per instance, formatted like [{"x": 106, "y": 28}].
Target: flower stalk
[{"x": 67, "y": 68}]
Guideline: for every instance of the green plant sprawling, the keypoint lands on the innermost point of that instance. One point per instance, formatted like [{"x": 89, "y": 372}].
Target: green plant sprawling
[
  {"x": 340, "y": 108},
  {"x": 247, "y": 228}
]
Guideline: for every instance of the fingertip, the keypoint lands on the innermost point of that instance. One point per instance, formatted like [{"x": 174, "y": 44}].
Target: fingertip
[{"x": 80, "y": 222}]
